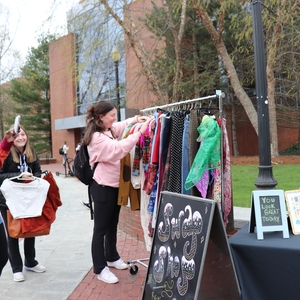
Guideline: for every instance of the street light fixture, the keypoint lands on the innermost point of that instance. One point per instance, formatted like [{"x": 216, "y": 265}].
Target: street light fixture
[
  {"x": 116, "y": 56},
  {"x": 265, "y": 179}
]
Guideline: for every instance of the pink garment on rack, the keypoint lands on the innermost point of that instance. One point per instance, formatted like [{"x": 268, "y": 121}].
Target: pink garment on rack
[
  {"x": 202, "y": 185},
  {"x": 155, "y": 152}
]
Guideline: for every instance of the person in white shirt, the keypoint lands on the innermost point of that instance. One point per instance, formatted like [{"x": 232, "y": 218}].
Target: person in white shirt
[{"x": 65, "y": 150}]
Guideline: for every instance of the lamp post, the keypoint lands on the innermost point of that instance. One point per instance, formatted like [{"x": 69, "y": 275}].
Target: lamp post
[
  {"x": 265, "y": 178},
  {"x": 116, "y": 56}
]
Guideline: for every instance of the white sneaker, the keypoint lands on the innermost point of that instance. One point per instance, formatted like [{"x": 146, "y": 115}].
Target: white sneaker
[
  {"x": 37, "y": 269},
  {"x": 107, "y": 276},
  {"x": 18, "y": 277},
  {"x": 118, "y": 264}
]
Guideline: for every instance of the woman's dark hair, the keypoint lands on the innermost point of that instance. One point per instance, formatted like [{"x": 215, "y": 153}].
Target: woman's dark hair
[{"x": 93, "y": 122}]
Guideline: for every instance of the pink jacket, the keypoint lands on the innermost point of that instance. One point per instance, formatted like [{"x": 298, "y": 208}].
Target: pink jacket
[{"x": 108, "y": 152}]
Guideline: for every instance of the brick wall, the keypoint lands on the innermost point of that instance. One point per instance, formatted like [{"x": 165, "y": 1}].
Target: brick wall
[
  {"x": 62, "y": 92},
  {"x": 247, "y": 138}
]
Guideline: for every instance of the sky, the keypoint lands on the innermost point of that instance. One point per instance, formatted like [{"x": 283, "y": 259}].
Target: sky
[{"x": 27, "y": 20}]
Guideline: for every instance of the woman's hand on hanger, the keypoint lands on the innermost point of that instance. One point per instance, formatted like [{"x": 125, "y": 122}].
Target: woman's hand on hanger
[
  {"x": 141, "y": 119},
  {"x": 10, "y": 135},
  {"x": 145, "y": 124}
]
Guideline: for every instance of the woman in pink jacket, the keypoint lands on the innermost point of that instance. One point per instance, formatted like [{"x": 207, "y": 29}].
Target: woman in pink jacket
[{"x": 106, "y": 148}]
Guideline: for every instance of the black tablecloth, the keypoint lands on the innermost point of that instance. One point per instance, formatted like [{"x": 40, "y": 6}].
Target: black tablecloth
[{"x": 269, "y": 268}]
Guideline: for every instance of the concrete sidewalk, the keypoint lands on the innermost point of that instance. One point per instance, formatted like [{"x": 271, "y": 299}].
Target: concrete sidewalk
[{"x": 67, "y": 257}]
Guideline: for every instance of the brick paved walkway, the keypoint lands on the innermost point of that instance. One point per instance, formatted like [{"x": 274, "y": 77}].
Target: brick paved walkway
[{"x": 129, "y": 287}]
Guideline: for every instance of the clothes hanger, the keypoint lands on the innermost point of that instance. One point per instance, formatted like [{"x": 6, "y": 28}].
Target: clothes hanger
[
  {"x": 45, "y": 172},
  {"x": 19, "y": 177}
]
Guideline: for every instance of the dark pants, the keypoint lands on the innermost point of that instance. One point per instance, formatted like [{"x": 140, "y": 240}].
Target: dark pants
[
  {"x": 14, "y": 255},
  {"x": 106, "y": 218},
  {"x": 3, "y": 248}
]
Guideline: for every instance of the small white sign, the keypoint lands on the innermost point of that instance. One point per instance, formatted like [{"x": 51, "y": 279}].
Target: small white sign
[{"x": 268, "y": 212}]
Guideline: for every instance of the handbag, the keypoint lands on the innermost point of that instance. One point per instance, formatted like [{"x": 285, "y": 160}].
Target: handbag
[{"x": 14, "y": 228}]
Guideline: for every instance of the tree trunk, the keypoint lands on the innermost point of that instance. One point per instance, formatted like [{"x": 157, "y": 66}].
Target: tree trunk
[
  {"x": 232, "y": 75},
  {"x": 272, "y": 110},
  {"x": 177, "y": 36},
  {"x": 233, "y": 127},
  {"x": 195, "y": 66}
]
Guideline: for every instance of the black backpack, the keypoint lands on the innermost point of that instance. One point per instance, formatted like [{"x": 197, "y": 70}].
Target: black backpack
[
  {"x": 83, "y": 171},
  {"x": 61, "y": 151}
]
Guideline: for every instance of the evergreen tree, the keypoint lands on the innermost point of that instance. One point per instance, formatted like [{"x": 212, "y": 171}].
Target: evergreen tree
[{"x": 31, "y": 92}]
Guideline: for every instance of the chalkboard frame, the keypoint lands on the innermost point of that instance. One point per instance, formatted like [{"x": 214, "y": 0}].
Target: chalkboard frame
[
  {"x": 162, "y": 279},
  {"x": 257, "y": 216},
  {"x": 294, "y": 216}
]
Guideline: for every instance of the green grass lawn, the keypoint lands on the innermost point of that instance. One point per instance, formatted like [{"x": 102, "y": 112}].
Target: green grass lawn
[{"x": 243, "y": 178}]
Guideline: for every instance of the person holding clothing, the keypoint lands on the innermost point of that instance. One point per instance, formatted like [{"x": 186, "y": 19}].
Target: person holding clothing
[
  {"x": 105, "y": 147},
  {"x": 5, "y": 146},
  {"x": 21, "y": 159}
]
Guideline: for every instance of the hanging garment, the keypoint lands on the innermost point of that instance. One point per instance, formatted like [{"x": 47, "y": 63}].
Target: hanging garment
[
  {"x": 195, "y": 121},
  {"x": 164, "y": 148},
  {"x": 49, "y": 209},
  {"x": 185, "y": 162},
  {"x": 144, "y": 215},
  {"x": 150, "y": 174},
  {"x": 25, "y": 198},
  {"x": 125, "y": 188},
  {"x": 203, "y": 184},
  {"x": 174, "y": 181},
  {"x": 156, "y": 139},
  {"x": 226, "y": 178},
  {"x": 208, "y": 155}
]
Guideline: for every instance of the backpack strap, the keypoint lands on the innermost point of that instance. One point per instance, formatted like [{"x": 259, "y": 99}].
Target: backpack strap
[
  {"x": 90, "y": 198},
  {"x": 91, "y": 203}
]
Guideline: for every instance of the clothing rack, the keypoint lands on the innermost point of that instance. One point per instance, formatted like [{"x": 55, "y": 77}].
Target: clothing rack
[{"x": 185, "y": 103}]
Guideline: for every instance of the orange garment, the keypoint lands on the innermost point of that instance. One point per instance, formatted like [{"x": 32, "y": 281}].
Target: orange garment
[
  {"x": 49, "y": 210},
  {"x": 125, "y": 188}
]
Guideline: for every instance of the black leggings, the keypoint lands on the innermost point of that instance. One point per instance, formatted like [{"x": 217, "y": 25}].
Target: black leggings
[
  {"x": 14, "y": 255},
  {"x": 106, "y": 218},
  {"x": 3, "y": 248}
]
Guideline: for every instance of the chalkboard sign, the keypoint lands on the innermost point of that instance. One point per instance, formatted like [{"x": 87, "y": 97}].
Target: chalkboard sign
[
  {"x": 189, "y": 244},
  {"x": 292, "y": 199},
  {"x": 269, "y": 212}
]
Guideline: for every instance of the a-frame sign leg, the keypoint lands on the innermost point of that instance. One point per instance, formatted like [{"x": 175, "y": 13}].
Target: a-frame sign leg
[
  {"x": 252, "y": 223},
  {"x": 219, "y": 279}
]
